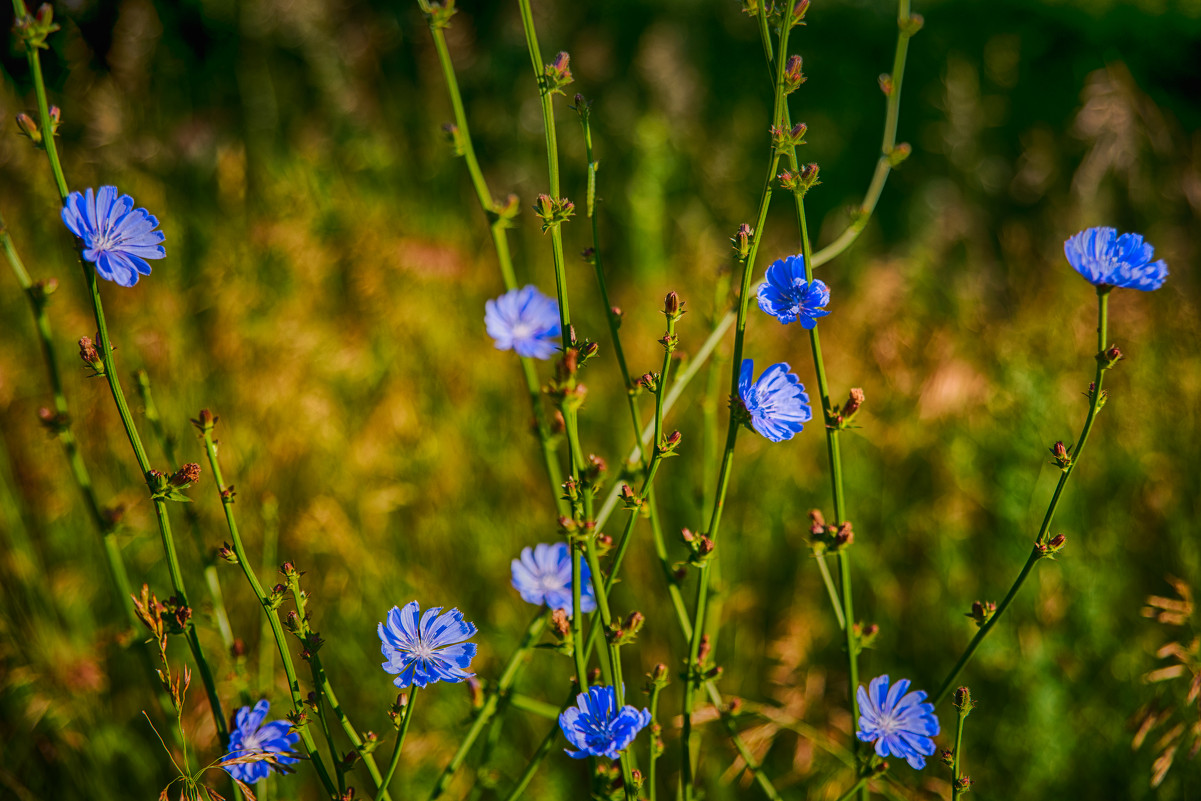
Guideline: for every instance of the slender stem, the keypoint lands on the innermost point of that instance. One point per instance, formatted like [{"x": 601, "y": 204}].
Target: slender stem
[
  {"x": 957, "y": 766},
  {"x": 492, "y": 704},
  {"x": 400, "y": 741},
  {"x": 269, "y": 609},
  {"x": 106, "y": 354},
  {"x": 656, "y": 745},
  {"x": 1096, "y": 400},
  {"x": 167, "y": 445},
  {"x": 37, "y": 298},
  {"x": 498, "y": 226},
  {"x": 534, "y": 706},
  {"x": 840, "y": 511},
  {"x": 535, "y": 762},
  {"x": 864, "y": 213},
  {"x": 704, "y": 580},
  {"x": 854, "y": 788}
]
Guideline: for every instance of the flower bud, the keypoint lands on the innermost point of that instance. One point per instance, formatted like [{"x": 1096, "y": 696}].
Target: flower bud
[
  {"x": 1109, "y": 357},
  {"x": 227, "y": 553},
  {"x": 91, "y": 356},
  {"x": 557, "y": 74},
  {"x": 899, "y": 154},
  {"x": 186, "y": 475},
  {"x": 885, "y": 81},
  {"x": 27, "y": 127},
  {"x": 817, "y": 521},
  {"x": 982, "y": 611},
  {"x": 793, "y": 77},
  {"x": 742, "y": 241},
  {"x": 963, "y": 701},
  {"x": 204, "y": 421},
  {"x": 673, "y": 307}
]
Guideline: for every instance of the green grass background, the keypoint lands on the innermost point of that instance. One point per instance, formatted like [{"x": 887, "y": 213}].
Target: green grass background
[{"x": 323, "y": 293}]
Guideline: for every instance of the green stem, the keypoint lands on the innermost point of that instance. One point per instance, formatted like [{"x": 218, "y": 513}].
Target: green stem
[
  {"x": 1095, "y": 403},
  {"x": 106, "y": 354},
  {"x": 37, "y": 305},
  {"x": 536, "y": 761},
  {"x": 269, "y": 609},
  {"x": 656, "y": 741},
  {"x": 167, "y": 445},
  {"x": 855, "y": 788},
  {"x": 400, "y": 741},
  {"x": 498, "y": 226},
  {"x": 492, "y": 704},
  {"x": 704, "y": 580},
  {"x": 957, "y": 766}
]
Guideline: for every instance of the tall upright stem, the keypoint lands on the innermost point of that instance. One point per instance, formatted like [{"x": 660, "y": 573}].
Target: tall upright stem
[
  {"x": 269, "y": 609},
  {"x": 1096, "y": 401},
  {"x": 110, "y": 370}
]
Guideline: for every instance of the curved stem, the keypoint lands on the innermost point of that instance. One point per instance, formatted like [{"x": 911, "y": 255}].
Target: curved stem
[
  {"x": 704, "y": 580},
  {"x": 1096, "y": 400},
  {"x": 269, "y": 609}
]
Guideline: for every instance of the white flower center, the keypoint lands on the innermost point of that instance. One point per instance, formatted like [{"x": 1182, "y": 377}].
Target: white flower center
[{"x": 522, "y": 330}]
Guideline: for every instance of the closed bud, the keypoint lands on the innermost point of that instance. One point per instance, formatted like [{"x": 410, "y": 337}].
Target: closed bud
[
  {"x": 633, "y": 622},
  {"x": 659, "y": 673},
  {"x": 227, "y": 553},
  {"x": 899, "y": 154},
  {"x": 982, "y": 611},
  {"x": 963, "y": 783},
  {"x": 963, "y": 701},
  {"x": 91, "y": 356},
  {"x": 1109, "y": 357},
  {"x": 1052, "y": 547},
  {"x": 1062, "y": 455},
  {"x": 885, "y": 81},
  {"x": 702, "y": 651},
  {"x": 205, "y": 421},
  {"x": 799, "y": 11},
  {"x": 28, "y": 128},
  {"x": 742, "y": 241},
  {"x": 817, "y": 521},
  {"x": 670, "y": 443},
  {"x": 672, "y": 305},
  {"x": 42, "y": 290},
  {"x": 238, "y": 649},
  {"x": 649, "y": 382},
  {"x": 557, "y": 74},
  {"x": 793, "y": 77},
  {"x": 948, "y": 757}
]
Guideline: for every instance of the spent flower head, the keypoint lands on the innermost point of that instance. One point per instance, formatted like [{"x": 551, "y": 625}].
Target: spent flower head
[
  {"x": 776, "y": 405},
  {"x": 117, "y": 238},
  {"x": 596, "y": 727},
  {"x": 524, "y": 320},
  {"x": 788, "y": 297},
  {"x": 899, "y": 723},
  {"x": 426, "y": 650},
  {"x": 1106, "y": 259},
  {"x": 250, "y": 736},
  {"x": 543, "y": 576}
]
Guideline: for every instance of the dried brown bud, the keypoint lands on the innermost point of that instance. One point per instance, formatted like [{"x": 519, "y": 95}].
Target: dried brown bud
[{"x": 186, "y": 474}]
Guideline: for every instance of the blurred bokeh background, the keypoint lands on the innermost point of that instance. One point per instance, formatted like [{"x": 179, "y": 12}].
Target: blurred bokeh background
[{"x": 323, "y": 294}]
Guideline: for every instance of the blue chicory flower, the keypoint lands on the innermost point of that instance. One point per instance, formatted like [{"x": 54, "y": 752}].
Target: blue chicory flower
[
  {"x": 524, "y": 320},
  {"x": 898, "y": 723},
  {"x": 543, "y": 576},
  {"x": 788, "y": 297},
  {"x": 776, "y": 404},
  {"x": 1106, "y": 259},
  {"x": 424, "y": 651},
  {"x": 117, "y": 238},
  {"x": 250, "y": 735},
  {"x": 596, "y": 727}
]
